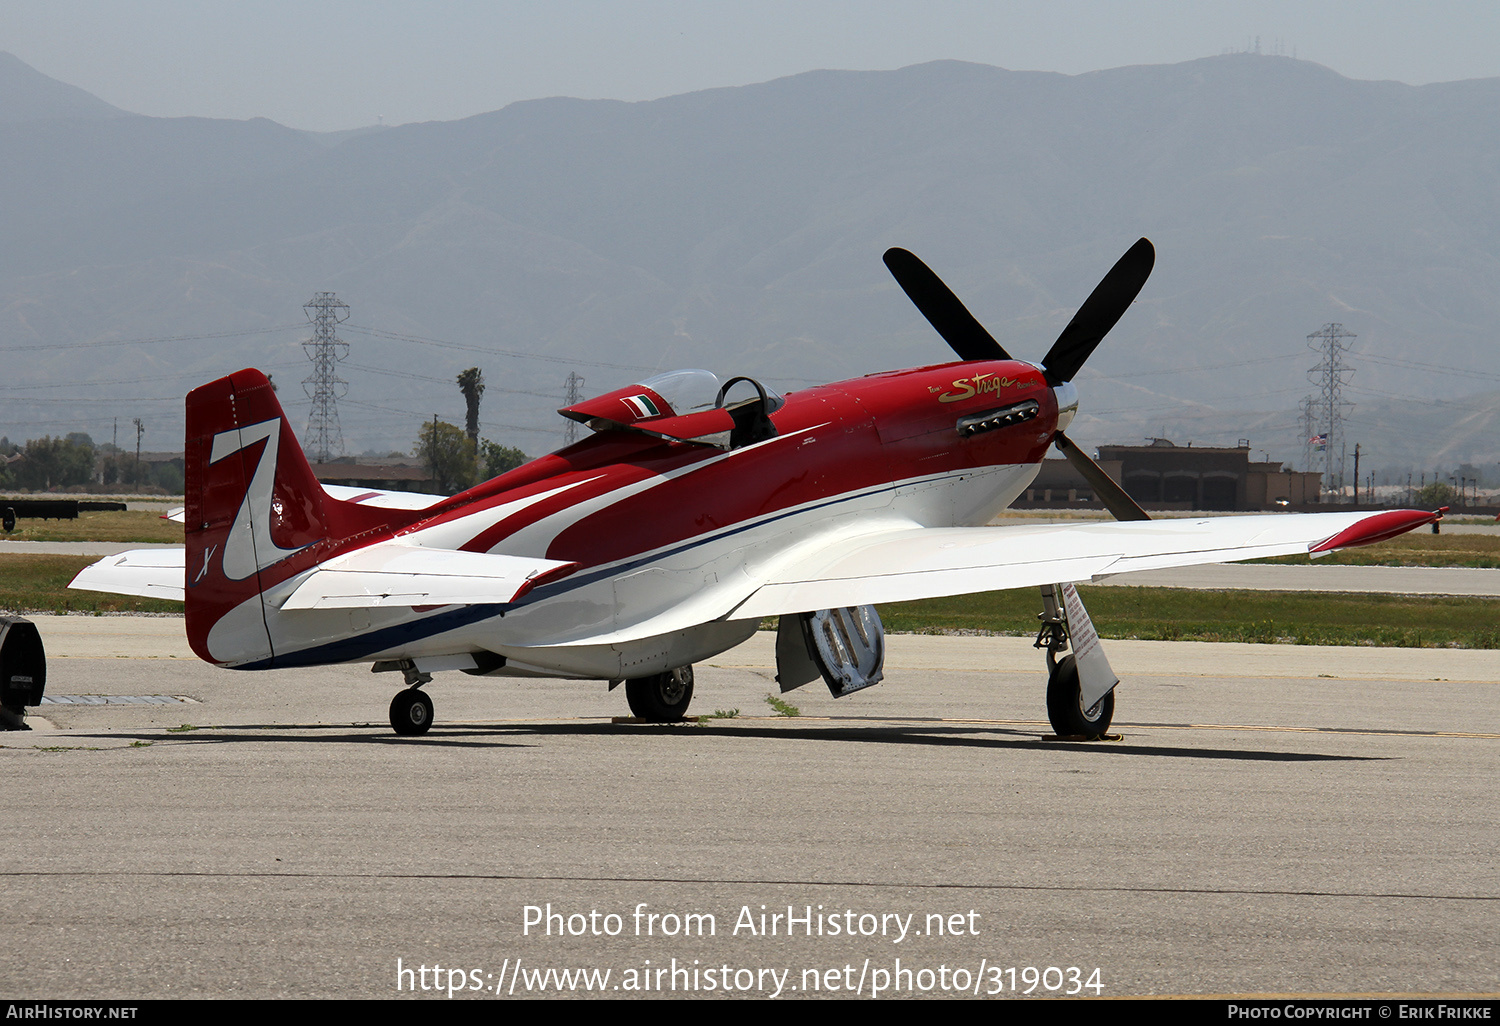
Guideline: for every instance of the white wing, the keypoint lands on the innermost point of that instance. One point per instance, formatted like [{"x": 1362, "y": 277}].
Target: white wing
[
  {"x": 914, "y": 563},
  {"x": 890, "y": 565},
  {"x": 906, "y": 562}
]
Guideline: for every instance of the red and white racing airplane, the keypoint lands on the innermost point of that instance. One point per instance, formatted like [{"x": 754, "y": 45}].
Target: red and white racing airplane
[{"x": 685, "y": 519}]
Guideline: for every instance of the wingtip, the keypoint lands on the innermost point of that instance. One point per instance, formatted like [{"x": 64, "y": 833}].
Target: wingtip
[{"x": 1379, "y": 527}]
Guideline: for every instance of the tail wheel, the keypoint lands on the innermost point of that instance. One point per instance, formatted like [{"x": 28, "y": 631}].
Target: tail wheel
[
  {"x": 662, "y": 697},
  {"x": 1065, "y": 704},
  {"x": 411, "y": 712}
]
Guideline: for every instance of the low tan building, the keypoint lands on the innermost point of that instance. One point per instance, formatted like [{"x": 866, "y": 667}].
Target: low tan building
[
  {"x": 1166, "y": 476},
  {"x": 1169, "y": 476},
  {"x": 385, "y": 476}
]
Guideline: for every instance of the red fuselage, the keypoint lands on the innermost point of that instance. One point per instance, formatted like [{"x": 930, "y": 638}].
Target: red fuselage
[
  {"x": 629, "y": 495},
  {"x": 831, "y": 440}
]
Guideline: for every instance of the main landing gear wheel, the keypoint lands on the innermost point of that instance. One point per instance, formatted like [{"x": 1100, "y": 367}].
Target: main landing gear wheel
[
  {"x": 662, "y": 697},
  {"x": 1065, "y": 704},
  {"x": 411, "y": 712}
]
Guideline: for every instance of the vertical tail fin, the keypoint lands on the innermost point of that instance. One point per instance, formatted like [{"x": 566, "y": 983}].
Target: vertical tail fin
[{"x": 252, "y": 503}]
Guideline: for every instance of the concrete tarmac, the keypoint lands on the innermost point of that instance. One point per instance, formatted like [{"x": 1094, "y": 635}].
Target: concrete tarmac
[{"x": 1273, "y": 820}]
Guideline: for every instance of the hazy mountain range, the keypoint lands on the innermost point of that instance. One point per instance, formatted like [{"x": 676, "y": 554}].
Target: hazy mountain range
[{"x": 741, "y": 230}]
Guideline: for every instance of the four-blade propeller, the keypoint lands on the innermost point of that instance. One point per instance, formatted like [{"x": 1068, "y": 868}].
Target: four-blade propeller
[{"x": 1098, "y": 314}]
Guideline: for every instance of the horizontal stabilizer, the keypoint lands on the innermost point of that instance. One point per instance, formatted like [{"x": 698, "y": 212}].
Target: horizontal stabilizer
[
  {"x": 151, "y": 573},
  {"x": 385, "y": 499},
  {"x": 345, "y": 493},
  {"x": 396, "y": 574}
]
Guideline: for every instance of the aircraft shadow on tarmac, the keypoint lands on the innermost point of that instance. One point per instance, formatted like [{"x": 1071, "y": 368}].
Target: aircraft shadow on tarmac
[{"x": 516, "y": 735}]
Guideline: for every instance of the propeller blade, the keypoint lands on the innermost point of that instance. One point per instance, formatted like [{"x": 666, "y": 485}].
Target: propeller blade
[
  {"x": 942, "y": 308},
  {"x": 1099, "y": 313},
  {"x": 1115, "y": 498}
]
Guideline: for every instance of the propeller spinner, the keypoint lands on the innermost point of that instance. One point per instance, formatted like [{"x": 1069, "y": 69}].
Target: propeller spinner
[{"x": 1094, "y": 319}]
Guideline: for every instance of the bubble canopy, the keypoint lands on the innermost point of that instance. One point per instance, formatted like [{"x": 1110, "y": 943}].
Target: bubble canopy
[
  {"x": 686, "y": 391},
  {"x": 677, "y": 393}
]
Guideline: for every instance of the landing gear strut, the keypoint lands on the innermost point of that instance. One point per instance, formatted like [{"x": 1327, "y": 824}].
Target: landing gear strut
[
  {"x": 661, "y": 697},
  {"x": 1066, "y": 707}
]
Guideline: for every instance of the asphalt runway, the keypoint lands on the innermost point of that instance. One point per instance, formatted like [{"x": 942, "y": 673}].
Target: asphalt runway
[{"x": 1275, "y": 819}]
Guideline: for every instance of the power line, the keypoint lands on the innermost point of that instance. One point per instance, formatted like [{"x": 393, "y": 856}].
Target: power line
[
  {"x": 443, "y": 381},
  {"x": 1432, "y": 368},
  {"x": 53, "y": 401},
  {"x": 1258, "y": 361},
  {"x": 412, "y": 413},
  {"x": 194, "y": 376},
  {"x": 149, "y": 341},
  {"x": 463, "y": 347}
]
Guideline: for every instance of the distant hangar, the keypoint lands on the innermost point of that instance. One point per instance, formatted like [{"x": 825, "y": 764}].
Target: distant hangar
[{"x": 1167, "y": 476}]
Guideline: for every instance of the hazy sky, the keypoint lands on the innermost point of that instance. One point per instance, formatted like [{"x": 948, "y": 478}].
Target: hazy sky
[{"x": 333, "y": 64}]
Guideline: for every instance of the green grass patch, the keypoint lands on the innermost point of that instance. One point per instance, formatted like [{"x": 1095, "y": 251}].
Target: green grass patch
[
  {"x": 128, "y": 526},
  {"x": 782, "y": 707},
  {"x": 39, "y": 584},
  {"x": 1267, "y": 617}
]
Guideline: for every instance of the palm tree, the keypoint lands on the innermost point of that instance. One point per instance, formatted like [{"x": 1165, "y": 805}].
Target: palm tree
[{"x": 471, "y": 384}]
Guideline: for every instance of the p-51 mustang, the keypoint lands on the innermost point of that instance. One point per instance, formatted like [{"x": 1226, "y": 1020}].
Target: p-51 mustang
[{"x": 683, "y": 520}]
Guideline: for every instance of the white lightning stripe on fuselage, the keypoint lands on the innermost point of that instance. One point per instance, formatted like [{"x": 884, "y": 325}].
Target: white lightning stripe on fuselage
[
  {"x": 456, "y": 533},
  {"x": 535, "y": 539}
]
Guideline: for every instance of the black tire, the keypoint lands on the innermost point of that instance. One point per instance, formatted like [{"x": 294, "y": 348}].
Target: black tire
[
  {"x": 662, "y": 697},
  {"x": 411, "y": 712},
  {"x": 1065, "y": 705}
]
